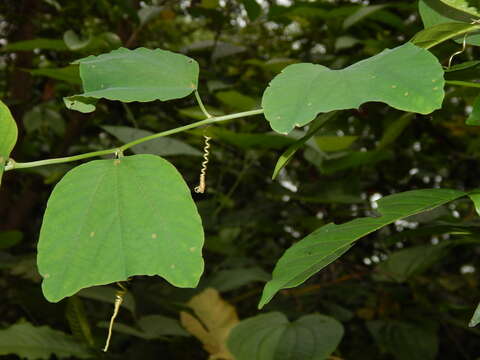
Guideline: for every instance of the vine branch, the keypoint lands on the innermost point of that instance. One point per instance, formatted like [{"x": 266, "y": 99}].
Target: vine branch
[{"x": 12, "y": 165}]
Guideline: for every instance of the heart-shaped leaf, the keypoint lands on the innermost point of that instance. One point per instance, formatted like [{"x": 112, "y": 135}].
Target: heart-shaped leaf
[
  {"x": 8, "y": 136},
  {"x": 413, "y": 82},
  {"x": 272, "y": 337},
  {"x": 108, "y": 220}
]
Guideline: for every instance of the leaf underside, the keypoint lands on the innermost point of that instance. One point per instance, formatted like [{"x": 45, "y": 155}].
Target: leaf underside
[
  {"x": 108, "y": 220},
  {"x": 137, "y": 75}
]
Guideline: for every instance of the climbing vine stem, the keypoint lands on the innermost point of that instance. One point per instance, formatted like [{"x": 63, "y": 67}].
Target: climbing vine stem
[{"x": 12, "y": 165}]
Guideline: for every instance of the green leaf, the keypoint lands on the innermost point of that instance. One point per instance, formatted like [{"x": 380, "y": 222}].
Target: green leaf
[
  {"x": 362, "y": 13},
  {"x": 94, "y": 43},
  {"x": 405, "y": 341},
  {"x": 463, "y": 6},
  {"x": 163, "y": 146},
  {"x": 437, "y": 34},
  {"x": 406, "y": 263},
  {"x": 292, "y": 149},
  {"x": 80, "y": 103},
  {"x": 31, "y": 342},
  {"x": 334, "y": 143},
  {"x": 8, "y": 136},
  {"x": 475, "y": 318},
  {"x": 107, "y": 294},
  {"x": 39, "y": 43},
  {"x": 431, "y": 17},
  {"x": 236, "y": 100},
  {"x": 227, "y": 280},
  {"x": 78, "y": 321},
  {"x": 354, "y": 159},
  {"x": 395, "y": 130},
  {"x": 272, "y": 337},
  {"x": 137, "y": 75},
  {"x": 248, "y": 140},
  {"x": 474, "y": 117},
  {"x": 151, "y": 327},
  {"x": 10, "y": 238},
  {"x": 413, "y": 83},
  {"x": 254, "y": 10},
  {"x": 69, "y": 74},
  {"x": 107, "y": 220},
  {"x": 327, "y": 243}
]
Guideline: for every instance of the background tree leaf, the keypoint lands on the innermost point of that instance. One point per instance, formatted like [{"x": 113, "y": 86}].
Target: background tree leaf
[
  {"x": 272, "y": 337},
  {"x": 163, "y": 146},
  {"x": 321, "y": 247},
  {"x": 96, "y": 207},
  {"x": 437, "y": 34},
  {"x": 414, "y": 83},
  {"x": 31, "y": 342}
]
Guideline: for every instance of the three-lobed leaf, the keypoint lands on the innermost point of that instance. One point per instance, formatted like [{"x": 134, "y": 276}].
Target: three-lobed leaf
[
  {"x": 413, "y": 82},
  {"x": 8, "y": 136},
  {"x": 272, "y": 337},
  {"x": 108, "y": 220},
  {"x": 327, "y": 243}
]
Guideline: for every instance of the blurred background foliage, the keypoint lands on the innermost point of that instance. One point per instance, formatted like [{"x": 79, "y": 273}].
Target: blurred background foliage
[{"x": 405, "y": 292}]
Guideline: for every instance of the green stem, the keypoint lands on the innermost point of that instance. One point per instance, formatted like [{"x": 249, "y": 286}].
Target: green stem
[
  {"x": 200, "y": 103},
  {"x": 11, "y": 165},
  {"x": 462, "y": 83}
]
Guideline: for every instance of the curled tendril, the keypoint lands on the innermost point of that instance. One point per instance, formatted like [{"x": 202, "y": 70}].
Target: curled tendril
[{"x": 203, "y": 172}]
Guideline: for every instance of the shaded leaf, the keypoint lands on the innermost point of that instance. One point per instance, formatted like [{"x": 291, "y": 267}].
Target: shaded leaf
[
  {"x": 227, "y": 280},
  {"x": 31, "y": 342},
  {"x": 292, "y": 149},
  {"x": 413, "y": 83},
  {"x": 474, "y": 117},
  {"x": 78, "y": 321},
  {"x": 327, "y": 243},
  {"x": 107, "y": 294},
  {"x": 272, "y": 337},
  {"x": 362, "y": 13},
  {"x": 101, "y": 42},
  {"x": 39, "y": 43},
  {"x": 405, "y": 263},
  {"x": 10, "y": 238},
  {"x": 476, "y": 317},
  {"x": 130, "y": 216},
  {"x": 215, "y": 320},
  {"x": 163, "y": 146},
  {"x": 405, "y": 341},
  {"x": 69, "y": 74},
  {"x": 254, "y": 10}
]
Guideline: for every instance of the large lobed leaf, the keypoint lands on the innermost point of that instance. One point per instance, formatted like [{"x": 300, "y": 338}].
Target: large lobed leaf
[
  {"x": 407, "y": 78},
  {"x": 272, "y": 337},
  {"x": 8, "y": 136},
  {"x": 137, "y": 75},
  {"x": 327, "y": 243},
  {"x": 28, "y": 341},
  {"x": 108, "y": 220}
]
